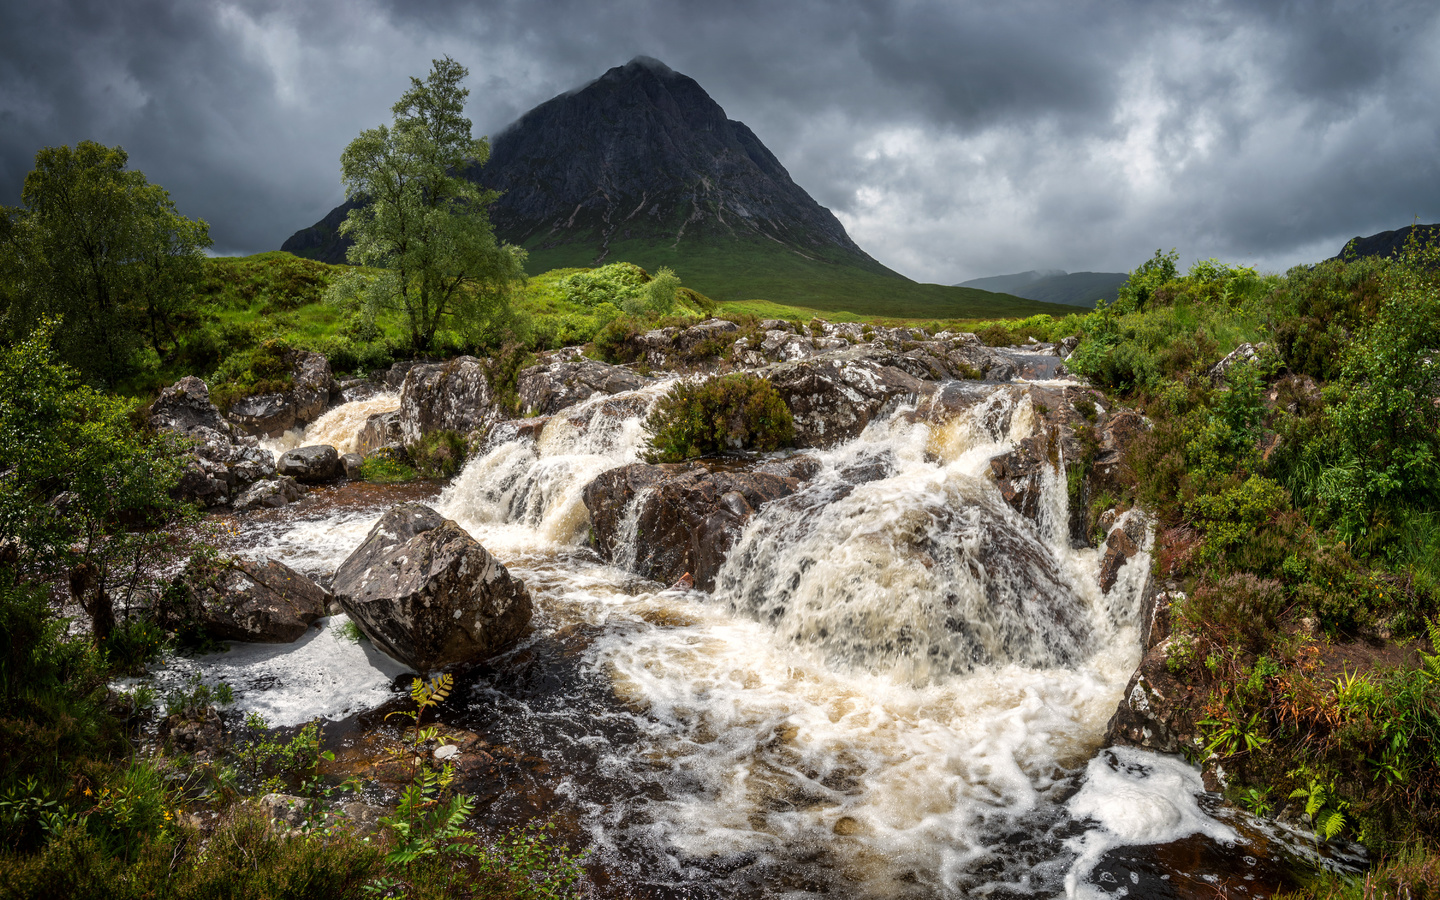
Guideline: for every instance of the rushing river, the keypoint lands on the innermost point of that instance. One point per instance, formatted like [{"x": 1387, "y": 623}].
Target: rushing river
[{"x": 897, "y": 689}]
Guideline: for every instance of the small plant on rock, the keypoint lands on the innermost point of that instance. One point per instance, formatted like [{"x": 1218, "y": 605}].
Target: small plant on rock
[{"x": 733, "y": 412}]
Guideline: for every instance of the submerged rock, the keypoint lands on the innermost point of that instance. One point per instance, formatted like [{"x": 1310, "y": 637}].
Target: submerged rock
[
  {"x": 428, "y": 594},
  {"x": 687, "y": 516},
  {"x": 242, "y": 600},
  {"x": 311, "y": 465}
]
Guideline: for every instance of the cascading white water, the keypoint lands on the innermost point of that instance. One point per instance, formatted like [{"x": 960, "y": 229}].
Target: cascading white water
[
  {"x": 895, "y": 676},
  {"x": 338, "y": 427},
  {"x": 538, "y": 485},
  {"x": 901, "y": 555}
]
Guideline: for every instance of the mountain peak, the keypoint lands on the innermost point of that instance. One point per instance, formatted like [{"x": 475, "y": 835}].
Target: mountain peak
[
  {"x": 642, "y": 157},
  {"x": 649, "y": 63}
]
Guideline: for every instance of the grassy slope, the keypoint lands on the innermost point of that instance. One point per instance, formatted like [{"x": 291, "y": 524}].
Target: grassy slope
[{"x": 741, "y": 272}]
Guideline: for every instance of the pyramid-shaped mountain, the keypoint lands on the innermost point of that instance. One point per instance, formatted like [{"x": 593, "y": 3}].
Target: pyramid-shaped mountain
[{"x": 642, "y": 165}]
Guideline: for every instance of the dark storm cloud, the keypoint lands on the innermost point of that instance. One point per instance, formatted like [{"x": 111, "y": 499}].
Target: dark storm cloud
[{"x": 954, "y": 139}]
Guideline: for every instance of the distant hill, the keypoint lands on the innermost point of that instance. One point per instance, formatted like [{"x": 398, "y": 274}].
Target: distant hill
[
  {"x": 1054, "y": 286},
  {"x": 1388, "y": 243},
  {"x": 642, "y": 165},
  {"x": 1011, "y": 284}
]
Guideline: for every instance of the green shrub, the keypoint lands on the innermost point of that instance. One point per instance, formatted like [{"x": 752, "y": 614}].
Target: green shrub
[
  {"x": 616, "y": 284},
  {"x": 1239, "y": 610},
  {"x": 264, "y": 369},
  {"x": 439, "y": 454},
  {"x": 732, "y": 412},
  {"x": 615, "y": 343},
  {"x": 380, "y": 468}
]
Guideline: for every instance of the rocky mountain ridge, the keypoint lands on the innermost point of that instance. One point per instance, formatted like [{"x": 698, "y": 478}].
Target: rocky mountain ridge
[{"x": 640, "y": 153}]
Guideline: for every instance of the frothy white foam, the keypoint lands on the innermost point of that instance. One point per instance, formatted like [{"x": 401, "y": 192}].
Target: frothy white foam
[
  {"x": 324, "y": 675},
  {"x": 1136, "y": 797},
  {"x": 539, "y": 486}
]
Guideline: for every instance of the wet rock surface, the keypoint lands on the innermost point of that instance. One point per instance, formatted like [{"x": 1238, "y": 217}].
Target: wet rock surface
[
  {"x": 271, "y": 493},
  {"x": 450, "y": 396},
  {"x": 833, "y": 398},
  {"x": 549, "y": 387},
  {"x": 185, "y": 406},
  {"x": 1156, "y": 712},
  {"x": 429, "y": 594},
  {"x": 221, "y": 462},
  {"x": 272, "y": 414},
  {"x": 265, "y": 415},
  {"x": 379, "y": 430},
  {"x": 244, "y": 600},
  {"x": 688, "y": 515},
  {"x": 311, "y": 465}
]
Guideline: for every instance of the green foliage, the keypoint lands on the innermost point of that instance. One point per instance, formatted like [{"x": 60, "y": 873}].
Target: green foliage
[
  {"x": 1385, "y": 414},
  {"x": 1144, "y": 282},
  {"x": 620, "y": 284},
  {"x": 274, "y": 762},
  {"x": 1230, "y": 735},
  {"x": 381, "y": 468},
  {"x": 1326, "y": 811},
  {"x": 743, "y": 275},
  {"x": 103, "y": 252},
  {"x": 422, "y": 221},
  {"x": 439, "y": 454},
  {"x": 261, "y": 369},
  {"x": 732, "y": 412},
  {"x": 1231, "y": 516},
  {"x": 83, "y": 496}
]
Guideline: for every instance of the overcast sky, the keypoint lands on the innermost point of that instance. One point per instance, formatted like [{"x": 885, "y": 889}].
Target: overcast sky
[{"x": 953, "y": 139}]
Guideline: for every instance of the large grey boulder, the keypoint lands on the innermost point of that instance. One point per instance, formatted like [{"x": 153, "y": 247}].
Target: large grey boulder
[
  {"x": 547, "y": 388},
  {"x": 311, "y": 465},
  {"x": 184, "y": 406},
  {"x": 271, "y": 493},
  {"x": 687, "y": 517},
  {"x": 310, "y": 391},
  {"x": 222, "y": 462},
  {"x": 267, "y": 415},
  {"x": 453, "y": 396},
  {"x": 242, "y": 600},
  {"x": 271, "y": 415},
  {"x": 429, "y": 594},
  {"x": 833, "y": 397}
]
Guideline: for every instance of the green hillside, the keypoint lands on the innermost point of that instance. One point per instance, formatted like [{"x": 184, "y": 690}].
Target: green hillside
[{"x": 744, "y": 270}]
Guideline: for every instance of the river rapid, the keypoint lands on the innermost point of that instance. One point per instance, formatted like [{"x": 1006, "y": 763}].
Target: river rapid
[{"x": 898, "y": 687}]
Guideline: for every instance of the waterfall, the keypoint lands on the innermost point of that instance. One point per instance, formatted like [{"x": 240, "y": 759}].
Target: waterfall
[
  {"x": 538, "y": 485},
  {"x": 894, "y": 690},
  {"x": 339, "y": 427}
]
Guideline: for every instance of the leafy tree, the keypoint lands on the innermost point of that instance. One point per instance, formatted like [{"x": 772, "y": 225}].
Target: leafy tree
[
  {"x": 1137, "y": 290},
  {"x": 421, "y": 220},
  {"x": 104, "y": 251},
  {"x": 83, "y": 496}
]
